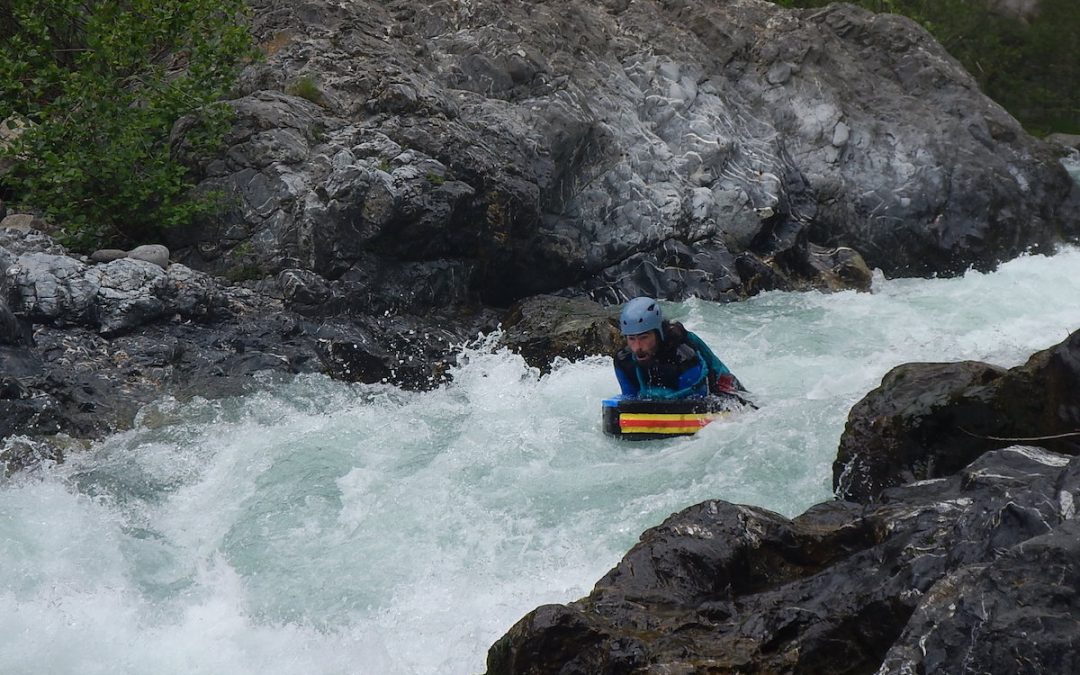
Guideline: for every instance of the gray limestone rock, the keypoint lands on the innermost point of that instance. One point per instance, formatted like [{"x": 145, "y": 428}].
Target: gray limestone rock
[
  {"x": 50, "y": 288},
  {"x": 128, "y": 294},
  {"x": 617, "y": 149}
]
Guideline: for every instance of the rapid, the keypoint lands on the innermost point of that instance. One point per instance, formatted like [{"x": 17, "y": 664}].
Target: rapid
[{"x": 323, "y": 528}]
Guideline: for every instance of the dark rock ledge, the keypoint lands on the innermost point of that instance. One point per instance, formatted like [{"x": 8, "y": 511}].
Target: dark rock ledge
[
  {"x": 84, "y": 345},
  {"x": 974, "y": 570}
]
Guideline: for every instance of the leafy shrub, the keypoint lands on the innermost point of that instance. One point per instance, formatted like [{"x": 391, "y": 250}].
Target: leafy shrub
[{"x": 103, "y": 82}]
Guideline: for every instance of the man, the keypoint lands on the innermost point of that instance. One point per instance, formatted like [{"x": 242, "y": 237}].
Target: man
[{"x": 664, "y": 360}]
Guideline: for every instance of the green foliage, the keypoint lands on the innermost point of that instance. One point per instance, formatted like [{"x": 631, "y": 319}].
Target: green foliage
[
  {"x": 103, "y": 82},
  {"x": 1030, "y": 66},
  {"x": 306, "y": 88}
]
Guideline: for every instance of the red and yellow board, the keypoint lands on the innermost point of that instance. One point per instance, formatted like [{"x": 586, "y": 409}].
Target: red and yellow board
[
  {"x": 665, "y": 423},
  {"x": 643, "y": 419}
]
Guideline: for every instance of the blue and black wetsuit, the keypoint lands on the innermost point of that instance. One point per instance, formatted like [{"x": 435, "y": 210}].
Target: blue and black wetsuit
[{"x": 684, "y": 366}]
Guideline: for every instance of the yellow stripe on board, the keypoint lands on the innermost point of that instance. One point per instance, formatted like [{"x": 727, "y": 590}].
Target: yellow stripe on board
[
  {"x": 665, "y": 423},
  {"x": 662, "y": 430}
]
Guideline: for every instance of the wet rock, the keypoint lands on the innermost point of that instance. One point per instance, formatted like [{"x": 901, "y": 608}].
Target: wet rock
[
  {"x": 21, "y": 453},
  {"x": 190, "y": 294},
  {"x": 980, "y": 610},
  {"x": 1070, "y": 141},
  {"x": 838, "y": 269},
  {"x": 929, "y": 420},
  {"x": 840, "y": 589},
  {"x": 545, "y": 327}
]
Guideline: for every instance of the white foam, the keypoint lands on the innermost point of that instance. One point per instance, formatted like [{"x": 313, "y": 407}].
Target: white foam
[{"x": 326, "y": 528}]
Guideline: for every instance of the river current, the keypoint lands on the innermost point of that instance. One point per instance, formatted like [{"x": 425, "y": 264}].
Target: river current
[{"x": 322, "y": 528}]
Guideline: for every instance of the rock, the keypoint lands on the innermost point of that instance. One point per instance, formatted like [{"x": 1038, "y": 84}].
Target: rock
[
  {"x": 18, "y": 241},
  {"x": 665, "y": 148},
  {"x": 979, "y": 611},
  {"x": 543, "y": 328},
  {"x": 411, "y": 351},
  {"x": 1070, "y": 141},
  {"x": 937, "y": 576},
  {"x": 50, "y": 288},
  {"x": 20, "y": 454},
  {"x": 303, "y": 290},
  {"x": 13, "y": 331},
  {"x": 929, "y": 420},
  {"x": 152, "y": 253},
  {"x": 24, "y": 222},
  {"x": 11, "y": 388},
  {"x": 839, "y": 269},
  {"x": 128, "y": 294},
  {"x": 190, "y": 293},
  {"x": 107, "y": 255}
]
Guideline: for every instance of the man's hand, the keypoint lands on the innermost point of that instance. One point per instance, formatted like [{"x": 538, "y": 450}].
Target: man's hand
[{"x": 725, "y": 383}]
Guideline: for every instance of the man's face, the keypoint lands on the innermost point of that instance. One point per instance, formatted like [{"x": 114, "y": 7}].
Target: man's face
[{"x": 643, "y": 345}]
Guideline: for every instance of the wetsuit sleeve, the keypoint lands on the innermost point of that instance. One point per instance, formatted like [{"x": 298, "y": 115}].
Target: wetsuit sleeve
[
  {"x": 721, "y": 380},
  {"x": 714, "y": 364},
  {"x": 627, "y": 382}
]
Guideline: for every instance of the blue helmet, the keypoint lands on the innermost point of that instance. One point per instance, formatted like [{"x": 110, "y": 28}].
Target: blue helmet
[{"x": 641, "y": 315}]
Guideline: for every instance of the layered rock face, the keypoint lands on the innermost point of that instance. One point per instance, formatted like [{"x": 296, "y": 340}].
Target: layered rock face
[
  {"x": 928, "y": 420},
  {"x": 84, "y": 346},
  {"x": 974, "y": 570},
  {"x": 419, "y": 154}
]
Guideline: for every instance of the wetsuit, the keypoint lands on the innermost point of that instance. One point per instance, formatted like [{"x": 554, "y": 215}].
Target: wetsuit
[{"x": 684, "y": 366}]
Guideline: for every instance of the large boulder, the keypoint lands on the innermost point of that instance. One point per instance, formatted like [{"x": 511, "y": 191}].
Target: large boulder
[
  {"x": 929, "y": 420},
  {"x": 543, "y": 328},
  {"x": 113, "y": 297},
  {"x": 50, "y": 288},
  {"x": 501, "y": 149},
  {"x": 940, "y": 575}
]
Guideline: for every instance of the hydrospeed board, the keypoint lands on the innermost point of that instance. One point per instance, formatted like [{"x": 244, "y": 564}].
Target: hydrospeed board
[{"x": 643, "y": 419}]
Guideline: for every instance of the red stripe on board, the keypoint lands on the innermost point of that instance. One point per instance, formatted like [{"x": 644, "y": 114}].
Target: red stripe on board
[{"x": 663, "y": 423}]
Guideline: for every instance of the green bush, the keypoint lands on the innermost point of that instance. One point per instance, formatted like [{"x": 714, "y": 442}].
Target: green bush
[
  {"x": 1029, "y": 66},
  {"x": 103, "y": 82}
]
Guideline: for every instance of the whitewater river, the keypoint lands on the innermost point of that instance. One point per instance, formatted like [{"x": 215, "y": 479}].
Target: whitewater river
[{"x": 325, "y": 528}]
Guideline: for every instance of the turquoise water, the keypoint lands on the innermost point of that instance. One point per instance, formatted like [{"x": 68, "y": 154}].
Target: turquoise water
[{"x": 323, "y": 528}]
